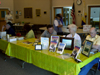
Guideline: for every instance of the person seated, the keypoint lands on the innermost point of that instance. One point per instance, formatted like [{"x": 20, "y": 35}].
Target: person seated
[
  {"x": 29, "y": 32},
  {"x": 50, "y": 31},
  {"x": 57, "y": 24},
  {"x": 9, "y": 29},
  {"x": 96, "y": 45},
  {"x": 73, "y": 34}
]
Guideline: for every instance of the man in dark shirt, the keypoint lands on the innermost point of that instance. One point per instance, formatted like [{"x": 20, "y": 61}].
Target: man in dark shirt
[{"x": 9, "y": 29}]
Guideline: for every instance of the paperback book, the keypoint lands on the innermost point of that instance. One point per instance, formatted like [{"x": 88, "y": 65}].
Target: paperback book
[
  {"x": 55, "y": 39},
  {"x": 75, "y": 52},
  {"x": 61, "y": 48},
  {"x": 53, "y": 46},
  {"x": 45, "y": 42}
]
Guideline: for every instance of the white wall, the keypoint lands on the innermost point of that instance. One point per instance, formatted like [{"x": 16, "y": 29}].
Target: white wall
[{"x": 44, "y": 5}]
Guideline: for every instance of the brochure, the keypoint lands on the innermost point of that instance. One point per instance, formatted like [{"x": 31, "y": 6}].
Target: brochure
[
  {"x": 53, "y": 46},
  {"x": 45, "y": 42},
  {"x": 61, "y": 47},
  {"x": 75, "y": 52}
]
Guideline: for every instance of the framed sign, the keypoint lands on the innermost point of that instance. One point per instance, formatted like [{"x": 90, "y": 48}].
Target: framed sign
[
  {"x": 38, "y": 12},
  {"x": 87, "y": 48},
  {"x": 20, "y": 13},
  {"x": 38, "y": 47},
  {"x": 68, "y": 41}
]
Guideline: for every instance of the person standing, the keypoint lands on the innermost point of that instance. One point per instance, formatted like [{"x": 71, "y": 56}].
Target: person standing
[
  {"x": 57, "y": 24},
  {"x": 8, "y": 17},
  {"x": 61, "y": 19}
]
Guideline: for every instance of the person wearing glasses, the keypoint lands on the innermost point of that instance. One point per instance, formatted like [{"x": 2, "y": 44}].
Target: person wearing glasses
[{"x": 96, "y": 45}]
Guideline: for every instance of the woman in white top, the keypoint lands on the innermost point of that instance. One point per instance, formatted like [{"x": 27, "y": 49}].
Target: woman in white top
[{"x": 73, "y": 34}]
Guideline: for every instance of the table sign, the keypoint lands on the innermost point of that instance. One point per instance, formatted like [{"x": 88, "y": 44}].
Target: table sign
[
  {"x": 38, "y": 47},
  {"x": 87, "y": 48}
]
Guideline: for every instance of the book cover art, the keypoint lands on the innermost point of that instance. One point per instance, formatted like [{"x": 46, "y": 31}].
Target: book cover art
[
  {"x": 52, "y": 47},
  {"x": 75, "y": 51},
  {"x": 61, "y": 47},
  {"x": 45, "y": 42},
  {"x": 55, "y": 38}
]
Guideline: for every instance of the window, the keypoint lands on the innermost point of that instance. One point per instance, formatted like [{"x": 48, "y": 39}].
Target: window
[{"x": 27, "y": 12}]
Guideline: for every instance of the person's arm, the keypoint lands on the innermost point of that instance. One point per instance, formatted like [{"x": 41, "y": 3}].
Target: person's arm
[
  {"x": 96, "y": 47},
  {"x": 54, "y": 33},
  {"x": 59, "y": 25},
  {"x": 44, "y": 34},
  {"x": 11, "y": 18},
  {"x": 56, "y": 23},
  {"x": 5, "y": 17},
  {"x": 3, "y": 28}
]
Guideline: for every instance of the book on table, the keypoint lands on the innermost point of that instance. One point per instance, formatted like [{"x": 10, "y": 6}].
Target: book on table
[
  {"x": 53, "y": 46},
  {"x": 45, "y": 42}
]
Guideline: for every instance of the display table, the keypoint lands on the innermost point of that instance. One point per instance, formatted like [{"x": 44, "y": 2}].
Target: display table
[
  {"x": 45, "y": 59},
  {"x": 3, "y": 44}
]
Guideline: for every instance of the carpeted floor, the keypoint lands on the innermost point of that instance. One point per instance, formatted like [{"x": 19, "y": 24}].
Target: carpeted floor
[{"x": 13, "y": 67}]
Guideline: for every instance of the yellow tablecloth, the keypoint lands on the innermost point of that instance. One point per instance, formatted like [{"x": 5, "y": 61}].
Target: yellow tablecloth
[
  {"x": 45, "y": 59},
  {"x": 3, "y": 45}
]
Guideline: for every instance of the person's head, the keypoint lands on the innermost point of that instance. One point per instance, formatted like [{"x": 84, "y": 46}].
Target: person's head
[
  {"x": 7, "y": 26},
  {"x": 8, "y": 12},
  {"x": 50, "y": 29},
  {"x": 93, "y": 32},
  {"x": 72, "y": 28},
  {"x": 58, "y": 16},
  {"x": 27, "y": 27}
]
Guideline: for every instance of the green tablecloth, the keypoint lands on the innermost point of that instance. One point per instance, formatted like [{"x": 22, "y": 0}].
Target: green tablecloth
[
  {"x": 45, "y": 59},
  {"x": 3, "y": 45}
]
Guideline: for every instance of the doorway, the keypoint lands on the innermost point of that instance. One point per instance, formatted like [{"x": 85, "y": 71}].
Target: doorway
[
  {"x": 2, "y": 17},
  {"x": 65, "y": 12},
  {"x": 94, "y": 16}
]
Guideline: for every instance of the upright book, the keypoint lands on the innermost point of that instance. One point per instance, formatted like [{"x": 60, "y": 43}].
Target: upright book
[
  {"x": 75, "y": 52},
  {"x": 53, "y": 46},
  {"x": 45, "y": 42},
  {"x": 55, "y": 39},
  {"x": 61, "y": 47}
]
